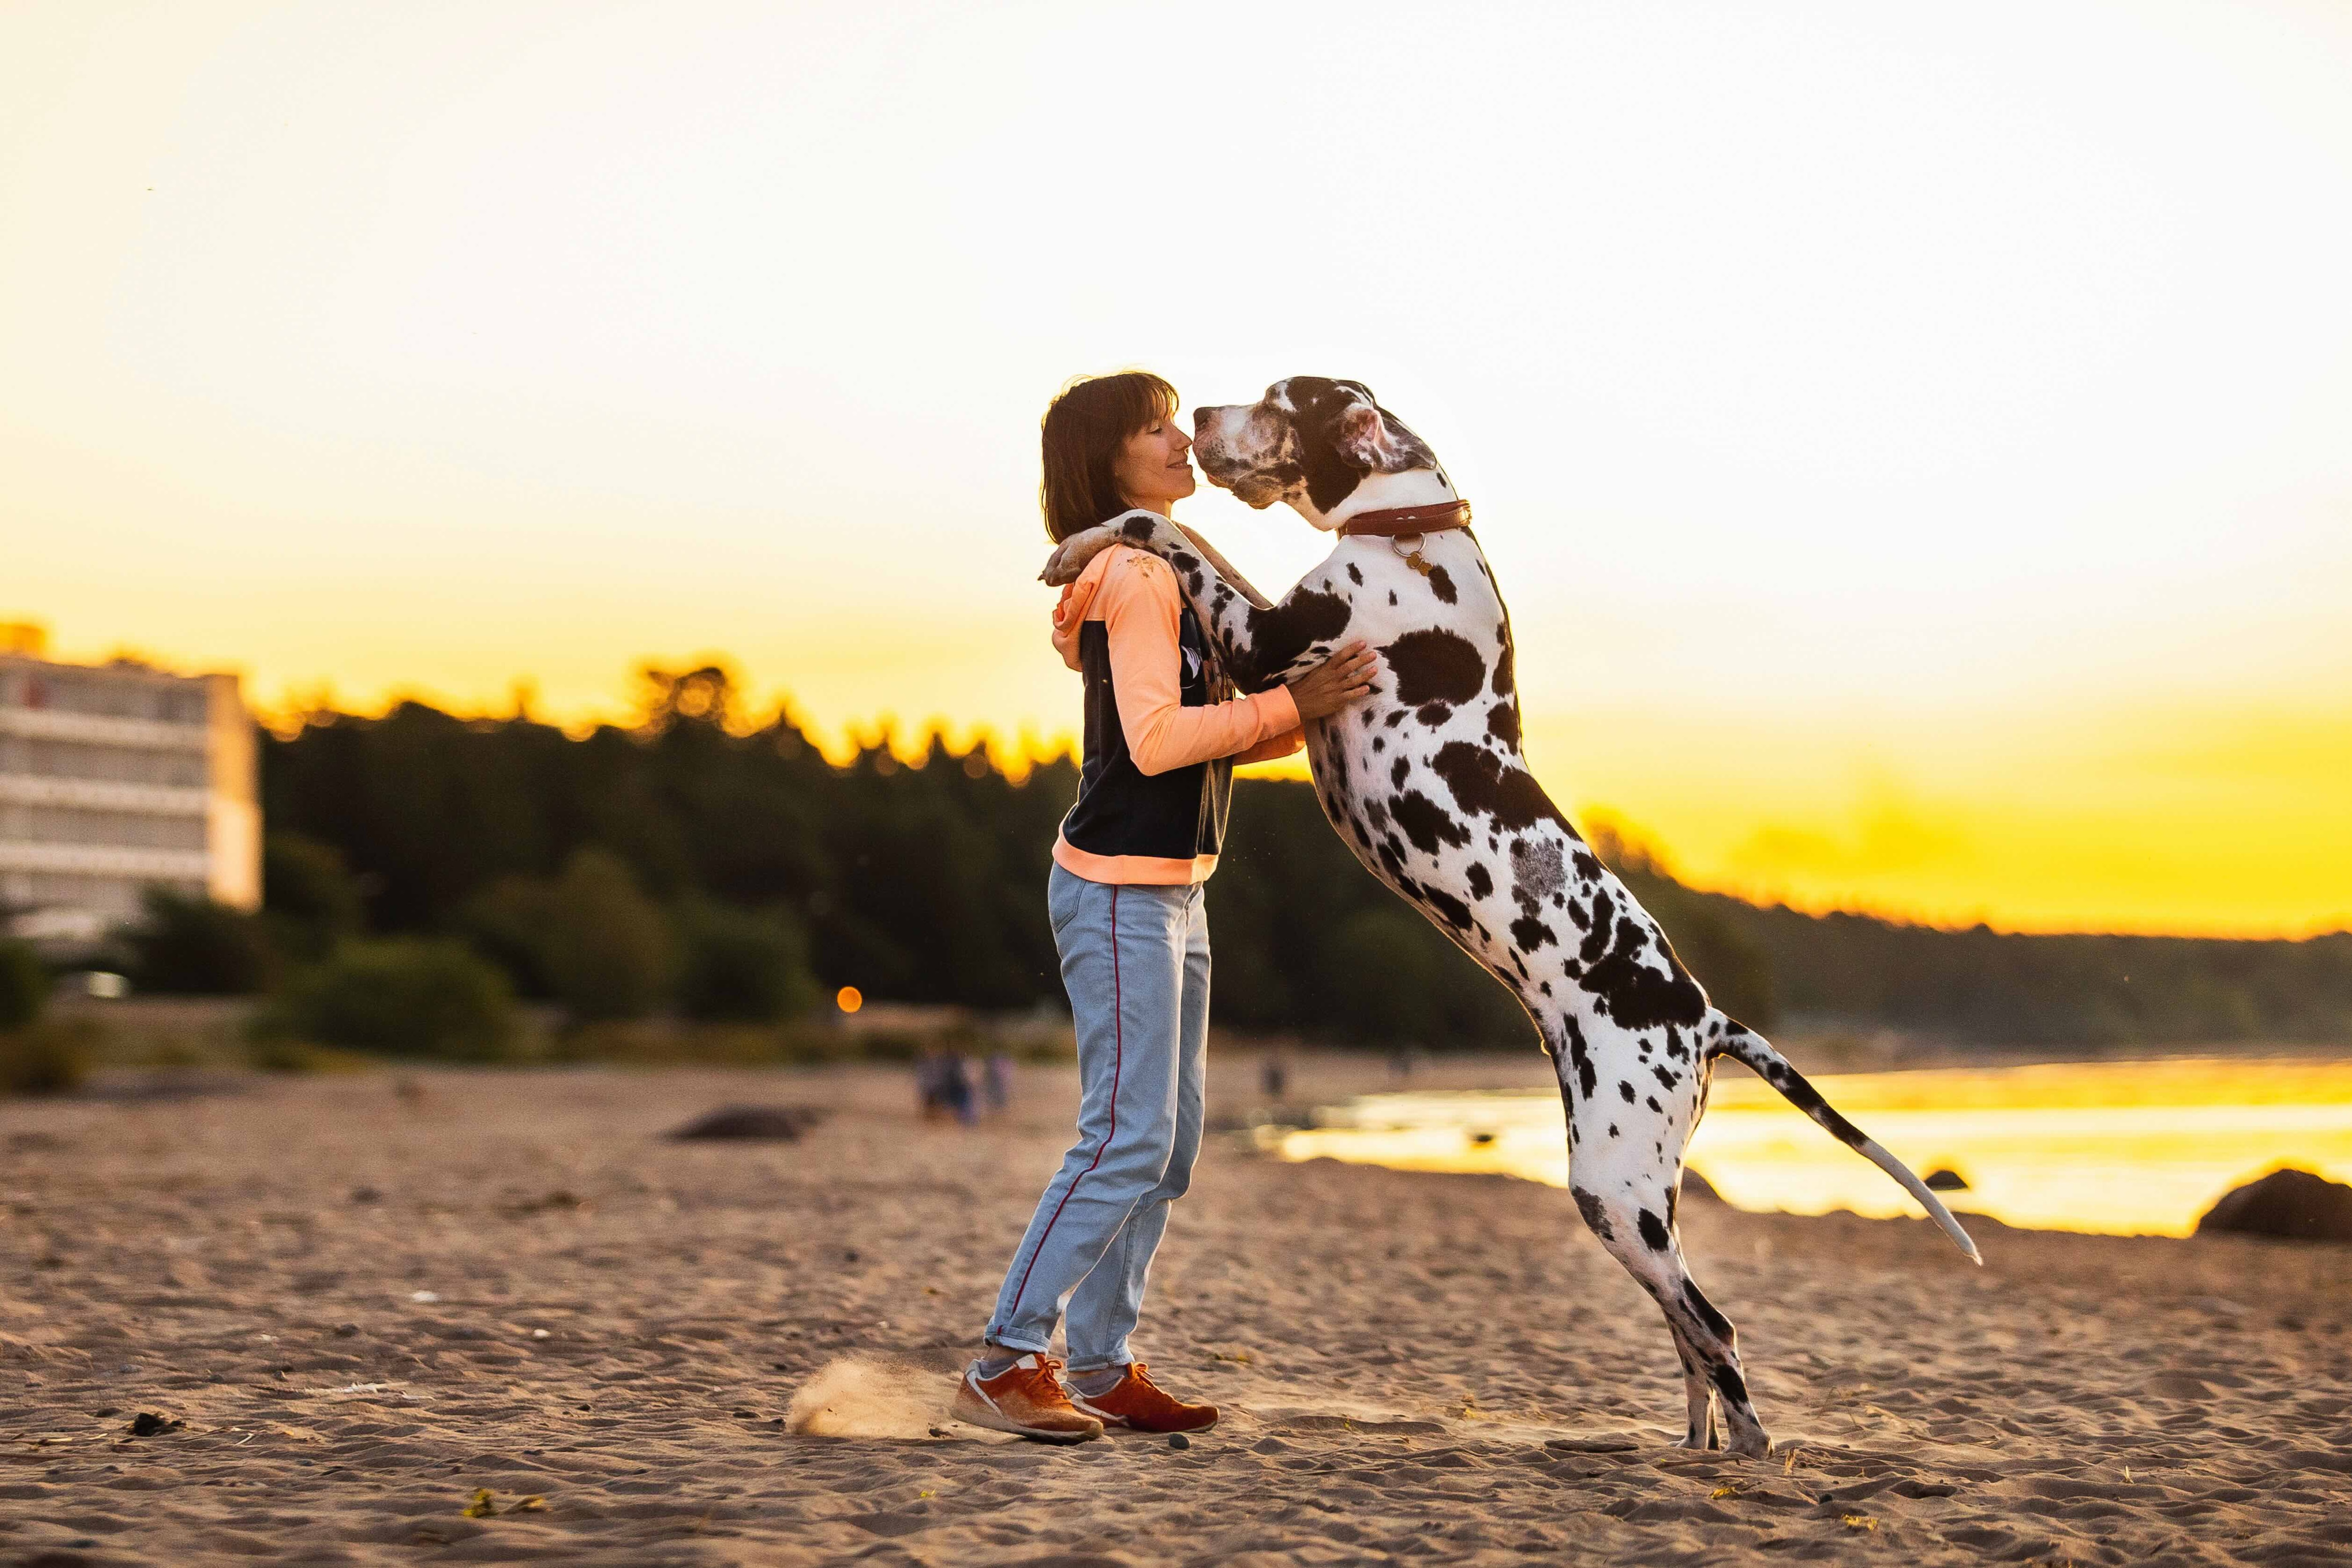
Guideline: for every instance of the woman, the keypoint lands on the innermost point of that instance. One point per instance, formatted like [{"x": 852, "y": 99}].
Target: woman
[{"x": 1125, "y": 900}]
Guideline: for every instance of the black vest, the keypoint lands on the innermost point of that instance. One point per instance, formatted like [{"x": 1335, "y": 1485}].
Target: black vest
[{"x": 1176, "y": 815}]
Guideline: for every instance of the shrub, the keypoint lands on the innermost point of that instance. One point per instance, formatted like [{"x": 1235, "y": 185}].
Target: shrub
[
  {"x": 23, "y": 985},
  {"x": 400, "y": 998},
  {"x": 45, "y": 1057},
  {"x": 309, "y": 899},
  {"x": 193, "y": 947},
  {"x": 742, "y": 968},
  {"x": 270, "y": 1049},
  {"x": 609, "y": 952},
  {"x": 665, "y": 1042},
  {"x": 507, "y": 923}
]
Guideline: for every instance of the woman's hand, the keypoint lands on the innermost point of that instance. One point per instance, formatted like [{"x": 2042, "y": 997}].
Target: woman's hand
[{"x": 1335, "y": 683}]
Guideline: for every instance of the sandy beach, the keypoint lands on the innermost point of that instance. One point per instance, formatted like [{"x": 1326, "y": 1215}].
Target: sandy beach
[{"x": 358, "y": 1300}]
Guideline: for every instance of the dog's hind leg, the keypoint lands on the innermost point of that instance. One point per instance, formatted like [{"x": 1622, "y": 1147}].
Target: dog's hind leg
[
  {"x": 1630, "y": 1224},
  {"x": 1717, "y": 1344},
  {"x": 1626, "y": 1172},
  {"x": 1697, "y": 1393}
]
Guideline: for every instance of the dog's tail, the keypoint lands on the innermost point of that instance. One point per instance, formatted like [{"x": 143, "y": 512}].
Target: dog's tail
[{"x": 1754, "y": 1052}]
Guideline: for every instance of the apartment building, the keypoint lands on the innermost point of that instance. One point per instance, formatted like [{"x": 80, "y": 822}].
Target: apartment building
[{"x": 116, "y": 778}]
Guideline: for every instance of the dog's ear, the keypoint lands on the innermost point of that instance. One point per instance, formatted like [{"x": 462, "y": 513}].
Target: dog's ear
[
  {"x": 1361, "y": 436},
  {"x": 1372, "y": 441}
]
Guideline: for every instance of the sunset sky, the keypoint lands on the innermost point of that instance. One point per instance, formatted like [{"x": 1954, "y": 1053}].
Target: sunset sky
[{"x": 1916, "y": 443}]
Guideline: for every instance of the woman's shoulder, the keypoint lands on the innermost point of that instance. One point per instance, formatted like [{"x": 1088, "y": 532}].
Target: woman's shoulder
[
  {"x": 1138, "y": 590},
  {"x": 1122, "y": 579},
  {"x": 1126, "y": 568}
]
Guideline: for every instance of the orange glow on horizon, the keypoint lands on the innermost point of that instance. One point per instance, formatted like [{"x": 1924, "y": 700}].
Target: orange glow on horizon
[{"x": 2211, "y": 819}]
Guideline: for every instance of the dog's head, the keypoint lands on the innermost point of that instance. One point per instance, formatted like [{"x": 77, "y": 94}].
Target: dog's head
[{"x": 1309, "y": 441}]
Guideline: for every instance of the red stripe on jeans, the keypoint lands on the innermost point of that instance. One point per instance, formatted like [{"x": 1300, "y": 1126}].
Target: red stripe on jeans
[{"x": 1118, "y": 1052}]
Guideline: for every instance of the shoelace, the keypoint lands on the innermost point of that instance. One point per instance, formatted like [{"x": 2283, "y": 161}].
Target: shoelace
[
  {"x": 1049, "y": 1373},
  {"x": 1137, "y": 1372}
]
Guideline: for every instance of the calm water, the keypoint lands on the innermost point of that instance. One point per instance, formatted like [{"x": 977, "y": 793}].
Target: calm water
[{"x": 2121, "y": 1147}]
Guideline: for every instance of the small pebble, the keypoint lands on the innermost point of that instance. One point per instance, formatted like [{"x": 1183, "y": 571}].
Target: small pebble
[
  {"x": 1178, "y": 1440},
  {"x": 345, "y": 1330}
]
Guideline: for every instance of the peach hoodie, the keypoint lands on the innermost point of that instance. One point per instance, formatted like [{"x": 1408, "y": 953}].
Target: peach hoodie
[{"x": 1134, "y": 594}]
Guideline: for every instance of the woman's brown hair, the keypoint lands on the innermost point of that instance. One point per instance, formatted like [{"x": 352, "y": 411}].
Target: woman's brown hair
[{"x": 1083, "y": 428}]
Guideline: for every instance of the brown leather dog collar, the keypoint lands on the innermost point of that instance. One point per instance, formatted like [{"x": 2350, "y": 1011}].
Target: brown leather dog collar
[{"x": 1398, "y": 520}]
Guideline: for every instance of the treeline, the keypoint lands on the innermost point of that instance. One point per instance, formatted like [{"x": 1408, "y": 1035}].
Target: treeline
[
  {"x": 912, "y": 883},
  {"x": 1981, "y": 985},
  {"x": 557, "y": 859}
]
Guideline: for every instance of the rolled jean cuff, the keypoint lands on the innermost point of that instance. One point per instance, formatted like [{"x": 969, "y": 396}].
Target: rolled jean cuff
[
  {"x": 1006, "y": 1339},
  {"x": 1103, "y": 1365}
]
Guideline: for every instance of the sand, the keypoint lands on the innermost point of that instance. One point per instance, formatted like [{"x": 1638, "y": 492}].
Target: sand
[{"x": 369, "y": 1297}]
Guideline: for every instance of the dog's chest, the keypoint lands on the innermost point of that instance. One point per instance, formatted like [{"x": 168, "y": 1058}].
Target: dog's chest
[
  {"x": 1440, "y": 583},
  {"x": 1445, "y": 666}
]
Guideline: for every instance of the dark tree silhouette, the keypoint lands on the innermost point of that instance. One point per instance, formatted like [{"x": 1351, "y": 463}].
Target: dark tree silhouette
[{"x": 927, "y": 883}]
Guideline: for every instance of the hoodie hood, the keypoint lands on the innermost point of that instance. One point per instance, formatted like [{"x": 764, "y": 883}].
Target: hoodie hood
[{"x": 1077, "y": 597}]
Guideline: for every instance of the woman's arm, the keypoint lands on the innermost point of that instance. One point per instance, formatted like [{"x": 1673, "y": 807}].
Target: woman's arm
[
  {"x": 1282, "y": 744},
  {"x": 1140, "y": 606}
]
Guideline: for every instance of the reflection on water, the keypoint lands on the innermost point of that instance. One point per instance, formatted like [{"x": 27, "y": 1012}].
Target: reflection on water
[{"x": 2118, "y": 1147}]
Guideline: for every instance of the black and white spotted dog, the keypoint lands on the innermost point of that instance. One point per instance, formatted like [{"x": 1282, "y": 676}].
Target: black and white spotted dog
[{"x": 1424, "y": 780}]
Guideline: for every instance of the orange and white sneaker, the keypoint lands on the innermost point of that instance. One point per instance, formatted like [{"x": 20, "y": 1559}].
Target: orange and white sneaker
[
  {"x": 1025, "y": 1399},
  {"x": 1139, "y": 1404}
]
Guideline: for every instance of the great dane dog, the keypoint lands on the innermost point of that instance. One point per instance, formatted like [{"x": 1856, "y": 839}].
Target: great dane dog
[{"x": 1425, "y": 781}]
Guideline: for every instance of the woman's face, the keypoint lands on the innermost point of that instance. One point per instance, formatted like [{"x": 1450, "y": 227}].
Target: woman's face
[{"x": 1154, "y": 467}]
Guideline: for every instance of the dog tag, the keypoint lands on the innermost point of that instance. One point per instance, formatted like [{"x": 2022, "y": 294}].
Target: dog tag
[{"x": 1411, "y": 558}]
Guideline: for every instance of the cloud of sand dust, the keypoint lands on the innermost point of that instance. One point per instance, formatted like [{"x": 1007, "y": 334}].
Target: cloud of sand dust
[{"x": 865, "y": 1397}]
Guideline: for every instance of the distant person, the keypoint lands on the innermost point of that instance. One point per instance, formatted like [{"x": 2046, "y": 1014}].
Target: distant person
[
  {"x": 955, "y": 1088},
  {"x": 1125, "y": 900},
  {"x": 1274, "y": 1078},
  {"x": 943, "y": 1085},
  {"x": 996, "y": 1083}
]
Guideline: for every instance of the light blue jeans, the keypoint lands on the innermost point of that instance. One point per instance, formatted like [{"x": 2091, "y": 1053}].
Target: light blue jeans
[{"x": 1135, "y": 960}]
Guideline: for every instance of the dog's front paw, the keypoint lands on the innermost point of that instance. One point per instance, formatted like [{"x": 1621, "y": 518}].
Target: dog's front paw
[{"x": 1069, "y": 558}]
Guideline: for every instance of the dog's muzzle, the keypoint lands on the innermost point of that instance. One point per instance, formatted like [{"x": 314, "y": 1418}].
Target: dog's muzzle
[{"x": 1233, "y": 454}]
